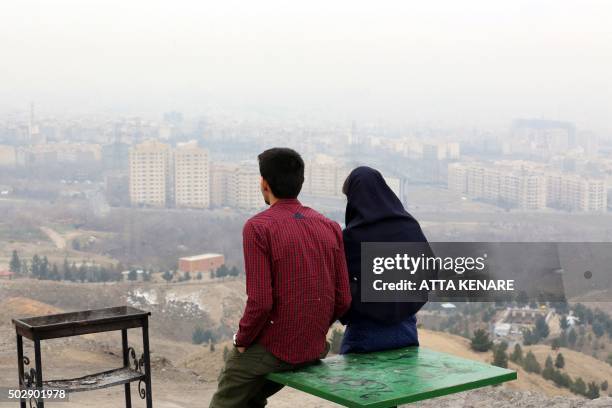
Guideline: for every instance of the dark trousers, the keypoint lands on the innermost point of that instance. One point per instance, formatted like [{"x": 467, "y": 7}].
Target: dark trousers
[{"x": 243, "y": 383}]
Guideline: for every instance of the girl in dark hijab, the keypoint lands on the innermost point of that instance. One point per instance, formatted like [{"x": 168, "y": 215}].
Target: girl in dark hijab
[{"x": 375, "y": 214}]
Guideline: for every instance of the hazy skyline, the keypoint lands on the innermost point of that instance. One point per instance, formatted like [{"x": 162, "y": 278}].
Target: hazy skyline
[{"x": 444, "y": 62}]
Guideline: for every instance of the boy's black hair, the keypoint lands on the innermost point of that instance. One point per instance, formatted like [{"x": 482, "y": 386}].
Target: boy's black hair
[{"x": 283, "y": 169}]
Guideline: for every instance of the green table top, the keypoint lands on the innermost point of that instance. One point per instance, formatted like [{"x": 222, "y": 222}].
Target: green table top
[{"x": 390, "y": 378}]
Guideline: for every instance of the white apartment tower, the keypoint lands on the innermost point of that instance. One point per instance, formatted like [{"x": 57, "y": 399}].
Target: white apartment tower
[
  {"x": 245, "y": 190},
  {"x": 221, "y": 183},
  {"x": 150, "y": 175},
  {"x": 191, "y": 176}
]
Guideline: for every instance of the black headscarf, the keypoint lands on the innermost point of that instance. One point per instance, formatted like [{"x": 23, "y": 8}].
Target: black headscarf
[{"x": 375, "y": 214}]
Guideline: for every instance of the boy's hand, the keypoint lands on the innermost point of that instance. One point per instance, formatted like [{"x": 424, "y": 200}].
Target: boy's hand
[{"x": 241, "y": 349}]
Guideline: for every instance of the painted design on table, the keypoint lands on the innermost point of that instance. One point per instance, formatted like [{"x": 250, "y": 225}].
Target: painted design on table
[{"x": 389, "y": 375}]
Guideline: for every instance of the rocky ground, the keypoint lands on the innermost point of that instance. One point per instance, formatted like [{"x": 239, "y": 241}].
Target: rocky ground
[{"x": 184, "y": 375}]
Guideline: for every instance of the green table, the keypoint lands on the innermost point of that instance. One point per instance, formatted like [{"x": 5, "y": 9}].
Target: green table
[{"x": 390, "y": 378}]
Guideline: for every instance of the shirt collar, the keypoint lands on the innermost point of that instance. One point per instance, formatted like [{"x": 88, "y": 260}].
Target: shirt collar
[{"x": 287, "y": 201}]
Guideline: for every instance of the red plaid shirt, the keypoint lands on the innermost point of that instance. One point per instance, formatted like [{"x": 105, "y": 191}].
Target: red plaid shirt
[{"x": 296, "y": 280}]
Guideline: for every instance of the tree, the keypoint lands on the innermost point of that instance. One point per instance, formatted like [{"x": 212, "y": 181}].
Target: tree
[
  {"x": 592, "y": 390},
  {"x": 559, "y": 361},
  {"x": 549, "y": 371},
  {"x": 222, "y": 272},
  {"x": 555, "y": 344},
  {"x": 167, "y": 276},
  {"x": 500, "y": 357},
  {"x": 517, "y": 354},
  {"x": 530, "y": 337},
  {"x": 200, "y": 336},
  {"x": 541, "y": 327},
  {"x": 561, "y": 379},
  {"x": 572, "y": 337},
  {"x": 132, "y": 275},
  {"x": 530, "y": 363},
  {"x": 44, "y": 268},
  {"x": 481, "y": 341},
  {"x": 82, "y": 272},
  {"x": 578, "y": 386},
  {"x": 15, "y": 264},
  {"x": 25, "y": 268},
  {"x": 66, "y": 272},
  {"x": 55, "y": 275},
  {"x": 604, "y": 385},
  {"x": 598, "y": 328},
  {"x": 563, "y": 322},
  {"x": 234, "y": 271},
  {"x": 548, "y": 363},
  {"x": 35, "y": 267},
  {"x": 212, "y": 274}
]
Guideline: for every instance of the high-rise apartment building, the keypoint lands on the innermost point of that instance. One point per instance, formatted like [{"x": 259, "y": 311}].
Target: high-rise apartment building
[
  {"x": 221, "y": 183},
  {"x": 191, "y": 176},
  {"x": 504, "y": 184},
  {"x": 150, "y": 174},
  {"x": 324, "y": 176},
  {"x": 245, "y": 189},
  {"x": 573, "y": 192},
  {"x": 236, "y": 185}
]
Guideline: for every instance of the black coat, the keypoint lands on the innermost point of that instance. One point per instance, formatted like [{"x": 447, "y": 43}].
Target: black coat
[{"x": 375, "y": 214}]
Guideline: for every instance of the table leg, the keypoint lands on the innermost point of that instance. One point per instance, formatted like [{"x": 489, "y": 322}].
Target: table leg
[
  {"x": 20, "y": 368},
  {"x": 147, "y": 362},
  {"x": 39, "y": 377},
  {"x": 126, "y": 363}
]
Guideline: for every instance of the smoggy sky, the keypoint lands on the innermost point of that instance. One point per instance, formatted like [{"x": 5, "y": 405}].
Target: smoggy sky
[{"x": 445, "y": 62}]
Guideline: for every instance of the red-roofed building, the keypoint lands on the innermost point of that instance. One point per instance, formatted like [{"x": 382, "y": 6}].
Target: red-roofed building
[{"x": 6, "y": 275}]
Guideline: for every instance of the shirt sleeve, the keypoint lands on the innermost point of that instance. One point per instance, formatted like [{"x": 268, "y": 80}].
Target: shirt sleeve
[
  {"x": 343, "y": 290},
  {"x": 258, "y": 285}
]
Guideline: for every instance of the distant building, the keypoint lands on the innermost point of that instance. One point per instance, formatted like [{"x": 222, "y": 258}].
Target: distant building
[
  {"x": 502, "y": 329},
  {"x": 6, "y": 275},
  {"x": 8, "y": 156},
  {"x": 191, "y": 176},
  {"x": 222, "y": 183},
  {"x": 324, "y": 177},
  {"x": 573, "y": 192},
  {"x": 150, "y": 182},
  {"x": 235, "y": 185},
  {"x": 527, "y": 185},
  {"x": 201, "y": 263},
  {"x": 245, "y": 190}
]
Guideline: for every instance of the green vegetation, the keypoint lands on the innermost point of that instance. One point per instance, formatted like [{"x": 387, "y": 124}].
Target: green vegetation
[
  {"x": 552, "y": 372},
  {"x": 530, "y": 364},
  {"x": 201, "y": 336},
  {"x": 560, "y": 361},
  {"x": 481, "y": 341},
  {"x": 517, "y": 354},
  {"x": 168, "y": 276},
  {"x": 538, "y": 333},
  {"x": 15, "y": 264},
  {"x": 500, "y": 356}
]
